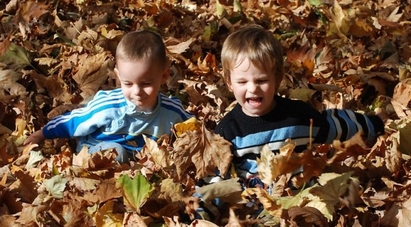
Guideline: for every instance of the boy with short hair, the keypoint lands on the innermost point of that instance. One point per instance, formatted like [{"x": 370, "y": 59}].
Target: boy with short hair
[
  {"x": 119, "y": 118},
  {"x": 252, "y": 62}
]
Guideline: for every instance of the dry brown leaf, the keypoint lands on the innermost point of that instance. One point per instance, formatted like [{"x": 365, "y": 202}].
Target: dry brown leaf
[
  {"x": 171, "y": 190},
  {"x": 92, "y": 73},
  {"x": 74, "y": 215},
  {"x": 399, "y": 214},
  {"x": 271, "y": 165},
  {"x": 204, "y": 150},
  {"x": 160, "y": 153},
  {"x": 106, "y": 190},
  {"x": 306, "y": 216},
  {"x": 353, "y": 147},
  {"x": 102, "y": 159},
  {"x": 227, "y": 191},
  {"x": 81, "y": 158},
  {"x": 269, "y": 203}
]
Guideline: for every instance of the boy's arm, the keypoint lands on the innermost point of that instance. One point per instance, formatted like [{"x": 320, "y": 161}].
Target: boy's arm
[
  {"x": 36, "y": 137},
  {"x": 85, "y": 120},
  {"x": 343, "y": 124}
]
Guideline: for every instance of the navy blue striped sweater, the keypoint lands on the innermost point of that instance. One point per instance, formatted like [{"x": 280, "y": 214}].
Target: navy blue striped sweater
[{"x": 290, "y": 119}]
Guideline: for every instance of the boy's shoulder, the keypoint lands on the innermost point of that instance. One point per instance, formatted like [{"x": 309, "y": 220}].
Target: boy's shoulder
[
  {"x": 169, "y": 100},
  {"x": 172, "y": 103},
  {"x": 113, "y": 92}
]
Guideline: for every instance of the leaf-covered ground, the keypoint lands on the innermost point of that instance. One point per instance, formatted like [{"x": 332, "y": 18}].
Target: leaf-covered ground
[{"x": 54, "y": 55}]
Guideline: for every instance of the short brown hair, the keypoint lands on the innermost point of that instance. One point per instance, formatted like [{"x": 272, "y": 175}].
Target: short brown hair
[
  {"x": 258, "y": 45},
  {"x": 142, "y": 44}
]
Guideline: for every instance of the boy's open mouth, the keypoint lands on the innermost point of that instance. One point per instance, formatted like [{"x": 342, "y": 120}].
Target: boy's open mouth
[{"x": 254, "y": 101}]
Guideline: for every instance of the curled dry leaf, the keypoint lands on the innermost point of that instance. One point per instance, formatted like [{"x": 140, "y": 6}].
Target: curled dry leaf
[{"x": 306, "y": 216}]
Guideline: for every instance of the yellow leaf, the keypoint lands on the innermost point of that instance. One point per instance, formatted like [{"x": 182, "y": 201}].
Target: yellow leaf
[
  {"x": 189, "y": 125},
  {"x": 106, "y": 217}
]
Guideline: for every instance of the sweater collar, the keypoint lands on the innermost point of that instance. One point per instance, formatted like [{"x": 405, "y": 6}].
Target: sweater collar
[{"x": 133, "y": 109}]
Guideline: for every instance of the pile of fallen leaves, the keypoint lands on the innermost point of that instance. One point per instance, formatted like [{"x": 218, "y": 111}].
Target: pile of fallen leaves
[{"x": 55, "y": 55}]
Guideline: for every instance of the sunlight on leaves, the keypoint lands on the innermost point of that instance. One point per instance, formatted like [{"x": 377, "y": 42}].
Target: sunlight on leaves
[{"x": 399, "y": 214}]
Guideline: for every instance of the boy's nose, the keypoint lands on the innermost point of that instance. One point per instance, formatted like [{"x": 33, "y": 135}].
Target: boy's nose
[
  {"x": 137, "y": 90},
  {"x": 252, "y": 87}
]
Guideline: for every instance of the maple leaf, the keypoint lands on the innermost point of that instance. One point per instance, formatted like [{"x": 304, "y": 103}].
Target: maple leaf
[
  {"x": 136, "y": 191},
  {"x": 92, "y": 73},
  {"x": 190, "y": 124},
  {"x": 102, "y": 159},
  {"x": 106, "y": 190},
  {"x": 75, "y": 215},
  {"x": 23, "y": 185},
  {"x": 133, "y": 219},
  {"x": 205, "y": 150},
  {"x": 171, "y": 190},
  {"x": 81, "y": 158},
  {"x": 9, "y": 82},
  {"x": 35, "y": 158},
  {"x": 332, "y": 187},
  {"x": 55, "y": 86}
]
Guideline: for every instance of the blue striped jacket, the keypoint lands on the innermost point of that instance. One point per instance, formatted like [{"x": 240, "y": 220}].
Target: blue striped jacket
[{"x": 109, "y": 116}]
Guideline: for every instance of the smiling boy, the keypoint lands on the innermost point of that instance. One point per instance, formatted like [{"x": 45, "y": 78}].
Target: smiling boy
[{"x": 119, "y": 118}]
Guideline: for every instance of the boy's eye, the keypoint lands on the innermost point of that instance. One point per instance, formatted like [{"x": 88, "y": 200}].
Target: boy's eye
[
  {"x": 261, "y": 81},
  {"x": 146, "y": 84}
]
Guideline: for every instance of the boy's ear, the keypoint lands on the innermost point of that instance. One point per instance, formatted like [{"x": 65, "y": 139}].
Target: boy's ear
[
  {"x": 166, "y": 75},
  {"x": 116, "y": 71},
  {"x": 229, "y": 85}
]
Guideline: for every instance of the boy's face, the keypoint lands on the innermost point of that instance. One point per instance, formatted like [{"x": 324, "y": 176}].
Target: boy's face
[
  {"x": 141, "y": 81},
  {"x": 253, "y": 88}
]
